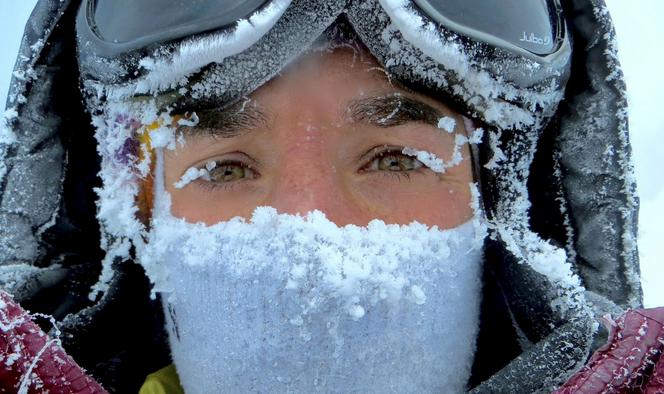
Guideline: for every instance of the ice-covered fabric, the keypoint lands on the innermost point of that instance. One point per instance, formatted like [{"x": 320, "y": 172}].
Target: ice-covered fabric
[
  {"x": 307, "y": 316},
  {"x": 596, "y": 166},
  {"x": 31, "y": 361},
  {"x": 632, "y": 361},
  {"x": 47, "y": 215},
  {"x": 284, "y": 303}
]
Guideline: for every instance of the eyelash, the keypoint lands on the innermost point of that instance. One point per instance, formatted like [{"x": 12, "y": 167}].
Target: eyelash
[
  {"x": 385, "y": 150},
  {"x": 229, "y": 185},
  {"x": 376, "y": 153}
]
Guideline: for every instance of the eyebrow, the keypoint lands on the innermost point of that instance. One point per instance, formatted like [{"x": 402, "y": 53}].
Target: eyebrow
[
  {"x": 226, "y": 122},
  {"x": 392, "y": 110},
  {"x": 383, "y": 111}
]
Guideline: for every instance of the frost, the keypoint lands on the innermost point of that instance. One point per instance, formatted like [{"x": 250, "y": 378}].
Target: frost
[
  {"x": 498, "y": 154},
  {"x": 345, "y": 267},
  {"x": 417, "y": 294},
  {"x": 12, "y": 358},
  {"x": 11, "y": 114},
  {"x": 427, "y": 158},
  {"x": 447, "y": 123},
  {"x": 37, "y": 46},
  {"x": 193, "y": 54},
  {"x": 482, "y": 85},
  {"x": 435, "y": 163},
  {"x": 28, "y": 376},
  {"x": 476, "y": 136},
  {"x": 191, "y": 175},
  {"x": 307, "y": 295},
  {"x": 190, "y": 121},
  {"x": 194, "y": 173},
  {"x": 163, "y": 137},
  {"x": 549, "y": 261},
  {"x": 7, "y": 136}
]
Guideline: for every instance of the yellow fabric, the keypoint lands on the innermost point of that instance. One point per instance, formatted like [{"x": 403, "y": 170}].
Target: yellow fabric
[{"x": 164, "y": 381}]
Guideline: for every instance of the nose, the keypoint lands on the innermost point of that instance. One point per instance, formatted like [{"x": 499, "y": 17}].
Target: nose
[{"x": 314, "y": 184}]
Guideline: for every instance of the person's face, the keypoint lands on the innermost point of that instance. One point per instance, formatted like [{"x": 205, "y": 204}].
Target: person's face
[{"x": 328, "y": 134}]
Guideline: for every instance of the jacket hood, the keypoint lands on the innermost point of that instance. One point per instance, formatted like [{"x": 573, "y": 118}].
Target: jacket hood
[{"x": 562, "y": 200}]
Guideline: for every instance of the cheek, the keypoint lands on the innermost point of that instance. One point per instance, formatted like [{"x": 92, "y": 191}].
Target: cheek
[
  {"x": 196, "y": 205},
  {"x": 345, "y": 196},
  {"x": 453, "y": 206},
  {"x": 432, "y": 202}
]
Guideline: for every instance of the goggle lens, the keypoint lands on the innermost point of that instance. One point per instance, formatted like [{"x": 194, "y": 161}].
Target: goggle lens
[
  {"x": 527, "y": 24},
  {"x": 141, "y": 22}
]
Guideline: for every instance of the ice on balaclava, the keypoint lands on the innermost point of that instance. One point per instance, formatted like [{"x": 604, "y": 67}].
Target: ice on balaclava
[{"x": 287, "y": 303}]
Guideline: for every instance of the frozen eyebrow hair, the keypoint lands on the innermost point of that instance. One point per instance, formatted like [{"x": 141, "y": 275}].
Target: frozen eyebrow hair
[
  {"x": 226, "y": 122},
  {"x": 383, "y": 111},
  {"x": 392, "y": 110}
]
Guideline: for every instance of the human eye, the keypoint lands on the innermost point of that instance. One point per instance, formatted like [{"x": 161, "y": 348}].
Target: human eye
[
  {"x": 230, "y": 171},
  {"x": 391, "y": 159},
  {"x": 218, "y": 174}
]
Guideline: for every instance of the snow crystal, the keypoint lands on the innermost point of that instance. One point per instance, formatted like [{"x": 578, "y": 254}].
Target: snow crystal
[
  {"x": 28, "y": 376},
  {"x": 190, "y": 121},
  {"x": 7, "y": 136},
  {"x": 308, "y": 295},
  {"x": 434, "y": 162},
  {"x": 12, "y": 358},
  {"x": 447, "y": 123},
  {"x": 551, "y": 262},
  {"x": 193, "y": 54},
  {"x": 194, "y": 173},
  {"x": 427, "y": 158},
  {"x": 476, "y": 136},
  {"x": 162, "y": 137},
  {"x": 498, "y": 154},
  {"x": 356, "y": 312},
  {"x": 418, "y": 294}
]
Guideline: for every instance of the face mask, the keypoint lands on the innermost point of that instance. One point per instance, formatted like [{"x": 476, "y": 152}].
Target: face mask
[{"x": 285, "y": 303}]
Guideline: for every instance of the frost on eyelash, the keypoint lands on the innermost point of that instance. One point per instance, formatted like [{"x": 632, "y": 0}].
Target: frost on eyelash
[
  {"x": 446, "y": 123},
  {"x": 438, "y": 165},
  {"x": 189, "y": 121},
  {"x": 427, "y": 158},
  {"x": 194, "y": 173}
]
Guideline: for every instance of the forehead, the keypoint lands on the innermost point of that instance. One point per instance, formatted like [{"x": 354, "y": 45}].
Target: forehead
[
  {"x": 328, "y": 88},
  {"x": 334, "y": 88},
  {"x": 329, "y": 76}
]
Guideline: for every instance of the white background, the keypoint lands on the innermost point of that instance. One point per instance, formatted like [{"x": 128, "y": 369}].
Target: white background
[{"x": 640, "y": 33}]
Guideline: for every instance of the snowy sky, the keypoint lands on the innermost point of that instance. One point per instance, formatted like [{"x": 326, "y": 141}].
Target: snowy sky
[{"x": 638, "y": 26}]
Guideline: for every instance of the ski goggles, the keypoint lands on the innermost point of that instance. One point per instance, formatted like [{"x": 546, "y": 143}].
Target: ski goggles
[
  {"x": 533, "y": 28},
  {"x": 505, "y": 62}
]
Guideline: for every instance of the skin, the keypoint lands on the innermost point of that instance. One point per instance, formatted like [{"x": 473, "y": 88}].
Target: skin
[{"x": 313, "y": 149}]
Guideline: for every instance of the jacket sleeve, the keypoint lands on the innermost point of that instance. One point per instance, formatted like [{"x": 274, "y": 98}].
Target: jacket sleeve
[
  {"x": 631, "y": 361},
  {"x": 31, "y": 361}
]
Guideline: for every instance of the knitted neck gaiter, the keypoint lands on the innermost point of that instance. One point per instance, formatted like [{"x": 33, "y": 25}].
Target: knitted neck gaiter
[{"x": 285, "y": 303}]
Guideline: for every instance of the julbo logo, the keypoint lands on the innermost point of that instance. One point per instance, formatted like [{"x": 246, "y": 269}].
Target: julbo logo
[{"x": 532, "y": 38}]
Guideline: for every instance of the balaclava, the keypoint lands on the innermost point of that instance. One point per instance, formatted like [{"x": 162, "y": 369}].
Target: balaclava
[{"x": 285, "y": 303}]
